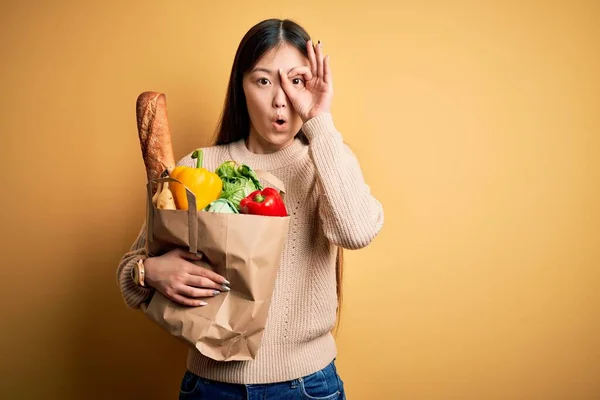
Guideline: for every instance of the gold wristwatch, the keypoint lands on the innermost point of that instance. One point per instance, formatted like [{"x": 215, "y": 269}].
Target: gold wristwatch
[{"x": 138, "y": 273}]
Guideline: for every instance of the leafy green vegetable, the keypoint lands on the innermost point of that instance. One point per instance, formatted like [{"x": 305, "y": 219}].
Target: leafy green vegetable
[
  {"x": 238, "y": 182},
  {"x": 222, "y": 206}
]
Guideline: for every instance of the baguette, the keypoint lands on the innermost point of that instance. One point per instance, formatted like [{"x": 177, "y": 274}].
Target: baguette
[{"x": 154, "y": 134}]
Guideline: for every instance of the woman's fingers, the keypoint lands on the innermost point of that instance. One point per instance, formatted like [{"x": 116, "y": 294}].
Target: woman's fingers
[
  {"x": 327, "y": 71},
  {"x": 187, "y": 255},
  {"x": 312, "y": 58},
  {"x": 319, "y": 55},
  {"x": 187, "y": 301},
  {"x": 302, "y": 70},
  {"x": 196, "y": 293},
  {"x": 194, "y": 290},
  {"x": 200, "y": 271},
  {"x": 202, "y": 282},
  {"x": 287, "y": 86}
]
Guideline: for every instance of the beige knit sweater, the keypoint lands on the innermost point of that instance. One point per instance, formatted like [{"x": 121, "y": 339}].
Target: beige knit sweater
[{"x": 330, "y": 205}]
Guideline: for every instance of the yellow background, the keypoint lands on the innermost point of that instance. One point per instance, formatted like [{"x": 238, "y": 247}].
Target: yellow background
[{"x": 476, "y": 124}]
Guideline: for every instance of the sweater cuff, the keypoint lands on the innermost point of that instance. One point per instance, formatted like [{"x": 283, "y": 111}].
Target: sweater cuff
[{"x": 319, "y": 125}]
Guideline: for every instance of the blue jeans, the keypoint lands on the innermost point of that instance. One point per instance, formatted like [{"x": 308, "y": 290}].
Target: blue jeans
[{"x": 322, "y": 385}]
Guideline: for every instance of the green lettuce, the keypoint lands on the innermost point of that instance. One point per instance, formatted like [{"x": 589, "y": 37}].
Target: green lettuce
[{"x": 238, "y": 182}]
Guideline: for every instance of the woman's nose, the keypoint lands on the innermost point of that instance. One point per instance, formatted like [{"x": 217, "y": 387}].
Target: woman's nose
[{"x": 280, "y": 99}]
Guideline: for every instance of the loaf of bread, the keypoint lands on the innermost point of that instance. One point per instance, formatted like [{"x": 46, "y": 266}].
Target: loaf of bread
[{"x": 154, "y": 134}]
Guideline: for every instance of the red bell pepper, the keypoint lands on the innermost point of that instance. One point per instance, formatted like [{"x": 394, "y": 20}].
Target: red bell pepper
[{"x": 264, "y": 202}]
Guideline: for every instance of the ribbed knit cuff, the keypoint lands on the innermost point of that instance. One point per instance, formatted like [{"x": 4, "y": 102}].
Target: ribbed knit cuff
[{"x": 319, "y": 125}]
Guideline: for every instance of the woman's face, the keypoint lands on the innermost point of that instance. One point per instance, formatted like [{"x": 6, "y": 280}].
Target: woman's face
[{"x": 273, "y": 121}]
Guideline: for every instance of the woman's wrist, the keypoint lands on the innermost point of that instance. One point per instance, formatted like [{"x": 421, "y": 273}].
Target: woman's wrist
[
  {"x": 139, "y": 273},
  {"x": 319, "y": 124},
  {"x": 149, "y": 271}
]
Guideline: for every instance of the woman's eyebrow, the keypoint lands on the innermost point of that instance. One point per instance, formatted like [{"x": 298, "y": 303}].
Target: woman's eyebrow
[{"x": 257, "y": 69}]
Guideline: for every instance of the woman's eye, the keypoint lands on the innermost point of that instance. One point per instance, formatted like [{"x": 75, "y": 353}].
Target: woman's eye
[
  {"x": 263, "y": 81},
  {"x": 297, "y": 81}
]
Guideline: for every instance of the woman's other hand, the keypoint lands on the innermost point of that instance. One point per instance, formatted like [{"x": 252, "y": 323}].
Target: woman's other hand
[
  {"x": 174, "y": 275},
  {"x": 309, "y": 88}
]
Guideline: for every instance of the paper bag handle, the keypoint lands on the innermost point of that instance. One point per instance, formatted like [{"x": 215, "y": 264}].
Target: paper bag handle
[
  {"x": 192, "y": 213},
  {"x": 273, "y": 179}
]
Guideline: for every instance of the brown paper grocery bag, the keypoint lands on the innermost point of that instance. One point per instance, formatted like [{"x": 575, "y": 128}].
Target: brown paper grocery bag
[{"x": 245, "y": 249}]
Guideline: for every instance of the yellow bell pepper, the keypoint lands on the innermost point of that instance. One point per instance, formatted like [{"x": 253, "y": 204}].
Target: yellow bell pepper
[{"x": 205, "y": 185}]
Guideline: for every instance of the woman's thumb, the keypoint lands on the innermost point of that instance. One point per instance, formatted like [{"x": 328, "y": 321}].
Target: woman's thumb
[{"x": 190, "y": 256}]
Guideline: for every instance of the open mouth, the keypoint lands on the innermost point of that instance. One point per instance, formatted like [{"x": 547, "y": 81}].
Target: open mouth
[{"x": 280, "y": 124}]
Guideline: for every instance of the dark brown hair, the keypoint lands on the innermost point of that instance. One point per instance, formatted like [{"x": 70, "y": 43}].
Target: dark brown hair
[{"x": 234, "y": 123}]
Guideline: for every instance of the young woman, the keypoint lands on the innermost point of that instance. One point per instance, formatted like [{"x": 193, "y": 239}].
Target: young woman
[{"x": 277, "y": 118}]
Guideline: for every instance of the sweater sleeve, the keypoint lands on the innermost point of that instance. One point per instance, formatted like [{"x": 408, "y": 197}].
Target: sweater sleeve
[
  {"x": 133, "y": 294},
  {"x": 350, "y": 215}
]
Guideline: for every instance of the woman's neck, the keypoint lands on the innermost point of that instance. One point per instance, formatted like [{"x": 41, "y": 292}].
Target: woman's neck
[
  {"x": 257, "y": 145},
  {"x": 243, "y": 152}
]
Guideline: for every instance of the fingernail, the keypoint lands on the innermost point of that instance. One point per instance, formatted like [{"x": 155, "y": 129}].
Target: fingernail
[
  {"x": 227, "y": 282},
  {"x": 226, "y": 288},
  {"x": 202, "y": 304},
  {"x": 216, "y": 292}
]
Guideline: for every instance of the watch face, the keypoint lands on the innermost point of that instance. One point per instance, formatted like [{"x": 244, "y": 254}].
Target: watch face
[{"x": 134, "y": 273}]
